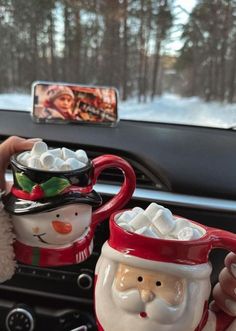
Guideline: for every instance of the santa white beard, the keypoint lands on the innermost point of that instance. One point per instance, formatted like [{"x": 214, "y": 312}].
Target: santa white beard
[
  {"x": 120, "y": 310},
  {"x": 156, "y": 310}
]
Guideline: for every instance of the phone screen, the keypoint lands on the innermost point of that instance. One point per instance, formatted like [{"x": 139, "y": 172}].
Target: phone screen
[{"x": 53, "y": 102}]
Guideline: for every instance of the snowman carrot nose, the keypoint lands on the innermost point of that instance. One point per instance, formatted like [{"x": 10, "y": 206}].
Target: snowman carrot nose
[{"x": 62, "y": 227}]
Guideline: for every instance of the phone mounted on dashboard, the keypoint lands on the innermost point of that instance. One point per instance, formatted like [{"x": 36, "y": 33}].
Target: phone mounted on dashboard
[{"x": 71, "y": 103}]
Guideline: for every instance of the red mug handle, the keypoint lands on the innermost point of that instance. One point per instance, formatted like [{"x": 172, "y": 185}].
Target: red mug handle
[
  {"x": 122, "y": 197},
  {"x": 223, "y": 239}
]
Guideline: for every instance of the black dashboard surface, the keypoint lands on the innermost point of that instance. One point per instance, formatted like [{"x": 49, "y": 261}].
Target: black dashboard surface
[{"x": 187, "y": 159}]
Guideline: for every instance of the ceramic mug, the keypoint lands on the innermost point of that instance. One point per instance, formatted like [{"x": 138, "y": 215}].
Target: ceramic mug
[
  {"x": 52, "y": 212},
  {"x": 154, "y": 284}
]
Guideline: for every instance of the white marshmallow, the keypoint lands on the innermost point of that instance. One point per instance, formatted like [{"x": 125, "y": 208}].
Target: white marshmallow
[
  {"x": 23, "y": 158},
  {"x": 180, "y": 223},
  {"x": 189, "y": 233},
  {"x": 34, "y": 162},
  {"x": 58, "y": 163},
  {"x": 152, "y": 210},
  {"x": 67, "y": 153},
  {"x": 163, "y": 224},
  {"x": 147, "y": 232},
  {"x": 125, "y": 217},
  {"x": 163, "y": 221},
  {"x": 57, "y": 152},
  {"x": 135, "y": 211},
  {"x": 156, "y": 232},
  {"x": 47, "y": 160},
  {"x": 126, "y": 226},
  {"x": 74, "y": 163},
  {"x": 65, "y": 167},
  {"x": 81, "y": 155},
  {"x": 39, "y": 148},
  {"x": 140, "y": 221},
  {"x": 141, "y": 230}
]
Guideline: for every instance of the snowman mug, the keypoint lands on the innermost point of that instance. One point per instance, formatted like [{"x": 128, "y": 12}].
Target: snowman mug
[
  {"x": 154, "y": 284},
  {"x": 51, "y": 211}
]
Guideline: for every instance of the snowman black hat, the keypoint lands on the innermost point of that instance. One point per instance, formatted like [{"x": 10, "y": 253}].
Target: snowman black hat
[
  {"x": 29, "y": 197},
  {"x": 36, "y": 190},
  {"x": 19, "y": 206}
]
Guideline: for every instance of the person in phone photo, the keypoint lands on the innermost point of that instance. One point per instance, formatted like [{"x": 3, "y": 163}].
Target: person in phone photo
[{"x": 59, "y": 103}]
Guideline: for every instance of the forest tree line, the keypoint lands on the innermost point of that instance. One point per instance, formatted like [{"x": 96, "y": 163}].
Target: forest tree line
[{"x": 121, "y": 43}]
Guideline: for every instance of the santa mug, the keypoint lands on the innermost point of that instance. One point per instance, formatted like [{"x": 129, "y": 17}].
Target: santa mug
[
  {"x": 147, "y": 283},
  {"x": 52, "y": 214}
]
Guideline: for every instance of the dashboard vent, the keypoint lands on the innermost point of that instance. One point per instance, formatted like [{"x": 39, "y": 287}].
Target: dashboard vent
[{"x": 114, "y": 176}]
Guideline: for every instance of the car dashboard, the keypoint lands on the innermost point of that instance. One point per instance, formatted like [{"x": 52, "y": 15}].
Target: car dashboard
[{"x": 190, "y": 170}]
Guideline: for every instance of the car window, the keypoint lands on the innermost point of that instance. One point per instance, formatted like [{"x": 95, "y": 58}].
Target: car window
[{"x": 171, "y": 60}]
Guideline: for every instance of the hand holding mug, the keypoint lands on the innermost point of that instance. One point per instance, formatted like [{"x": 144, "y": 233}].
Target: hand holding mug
[
  {"x": 9, "y": 147},
  {"x": 224, "y": 292}
]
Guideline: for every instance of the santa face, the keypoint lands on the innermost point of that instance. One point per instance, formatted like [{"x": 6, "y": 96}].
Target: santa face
[
  {"x": 153, "y": 295},
  {"x": 147, "y": 300},
  {"x": 58, "y": 227}
]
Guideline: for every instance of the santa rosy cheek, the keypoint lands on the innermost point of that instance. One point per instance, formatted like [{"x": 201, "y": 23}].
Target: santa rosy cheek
[{"x": 143, "y": 314}]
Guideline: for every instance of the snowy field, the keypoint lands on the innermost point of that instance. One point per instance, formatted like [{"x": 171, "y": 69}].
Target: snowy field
[{"x": 169, "y": 108}]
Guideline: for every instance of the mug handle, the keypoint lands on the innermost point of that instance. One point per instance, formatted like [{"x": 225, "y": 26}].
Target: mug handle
[
  {"x": 223, "y": 239},
  {"x": 122, "y": 197}
]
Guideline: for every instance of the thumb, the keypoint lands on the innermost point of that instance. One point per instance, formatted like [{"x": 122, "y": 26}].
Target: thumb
[{"x": 9, "y": 147}]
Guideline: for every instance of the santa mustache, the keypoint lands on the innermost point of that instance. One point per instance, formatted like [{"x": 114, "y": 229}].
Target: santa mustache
[{"x": 157, "y": 309}]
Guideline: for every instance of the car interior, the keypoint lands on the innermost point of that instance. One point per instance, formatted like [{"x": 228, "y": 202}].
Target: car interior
[
  {"x": 189, "y": 170},
  {"x": 163, "y": 57}
]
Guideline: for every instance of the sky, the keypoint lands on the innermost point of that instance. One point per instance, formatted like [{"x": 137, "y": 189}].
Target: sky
[
  {"x": 172, "y": 47},
  {"x": 181, "y": 18}
]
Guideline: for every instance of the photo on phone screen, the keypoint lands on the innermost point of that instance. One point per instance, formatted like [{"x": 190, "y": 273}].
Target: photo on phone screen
[{"x": 53, "y": 102}]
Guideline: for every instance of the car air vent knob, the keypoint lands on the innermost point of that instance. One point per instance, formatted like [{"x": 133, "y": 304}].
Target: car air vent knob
[
  {"x": 20, "y": 318},
  {"x": 85, "y": 281}
]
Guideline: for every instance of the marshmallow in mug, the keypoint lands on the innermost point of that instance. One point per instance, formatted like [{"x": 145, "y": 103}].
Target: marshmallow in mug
[
  {"x": 158, "y": 222},
  {"x": 59, "y": 159}
]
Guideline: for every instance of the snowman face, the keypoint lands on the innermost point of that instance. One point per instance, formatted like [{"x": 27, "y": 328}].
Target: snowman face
[{"x": 58, "y": 227}]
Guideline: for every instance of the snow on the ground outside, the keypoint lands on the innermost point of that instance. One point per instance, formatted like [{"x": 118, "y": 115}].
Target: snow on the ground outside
[
  {"x": 172, "y": 108},
  {"x": 168, "y": 108},
  {"x": 15, "y": 101}
]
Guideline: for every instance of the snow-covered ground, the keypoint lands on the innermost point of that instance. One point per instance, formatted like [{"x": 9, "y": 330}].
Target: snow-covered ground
[
  {"x": 171, "y": 108},
  {"x": 168, "y": 108},
  {"x": 15, "y": 101}
]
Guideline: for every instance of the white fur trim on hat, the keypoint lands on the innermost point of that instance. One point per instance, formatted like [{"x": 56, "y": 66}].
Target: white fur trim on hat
[
  {"x": 7, "y": 256},
  {"x": 199, "y": 271}
]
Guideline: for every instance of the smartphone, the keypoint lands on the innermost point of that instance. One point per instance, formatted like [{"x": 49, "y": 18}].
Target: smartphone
[{"x": 64, "y": 103}]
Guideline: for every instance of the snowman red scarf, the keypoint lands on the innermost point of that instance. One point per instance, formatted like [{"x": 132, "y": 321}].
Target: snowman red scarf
[{"x": 76, "y": 252}]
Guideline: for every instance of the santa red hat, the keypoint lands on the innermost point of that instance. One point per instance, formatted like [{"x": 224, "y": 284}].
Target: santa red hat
[{"x": 188, "y": 259}]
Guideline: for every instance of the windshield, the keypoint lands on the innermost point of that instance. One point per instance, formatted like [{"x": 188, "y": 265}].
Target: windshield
[{"x": 171, "y": 61}]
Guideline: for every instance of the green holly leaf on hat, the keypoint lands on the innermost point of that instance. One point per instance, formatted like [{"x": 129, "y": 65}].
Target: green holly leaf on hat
[
  {"x": 54, "y": 186},
  {"x": 24, "y": 182}
]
